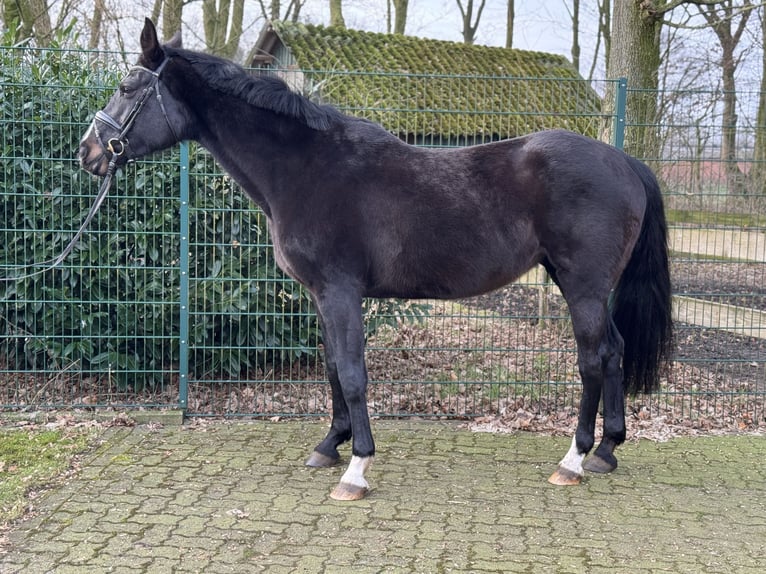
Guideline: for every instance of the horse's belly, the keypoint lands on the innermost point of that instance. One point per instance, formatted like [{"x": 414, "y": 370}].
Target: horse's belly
[{"x": 453, "y": 279}]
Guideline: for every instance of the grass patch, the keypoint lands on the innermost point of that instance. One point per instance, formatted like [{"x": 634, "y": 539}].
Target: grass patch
[
  {"x": 691, "y": 216},
  {"x": 30, "y": 460}
]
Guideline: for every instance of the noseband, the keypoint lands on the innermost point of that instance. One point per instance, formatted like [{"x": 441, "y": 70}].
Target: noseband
[{"x": 117, "y": 145}]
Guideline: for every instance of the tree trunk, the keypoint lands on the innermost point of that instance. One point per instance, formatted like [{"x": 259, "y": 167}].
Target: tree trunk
[
  {"x": 336, "y": 14},
  {"x": 635, "y": 54},
  {"x": 758, "y": 171},
  {"x": 470, "y": 24},
  {"x": 400, "y": 15},
  {"x": 32, "y": 18},
  {"x": 509, "y": 24},
  {"x": 156, "y": 11},
  {"x": 171, "y": 18},
  {"x": 604, "y": 34},
  {"x": 721, "y": 23},
  {"x": 576, "y": 34},
  {"x": 223, "y": 26},
  {"x": 42, "y": 22},
  {"x": 95, "y": 24}
]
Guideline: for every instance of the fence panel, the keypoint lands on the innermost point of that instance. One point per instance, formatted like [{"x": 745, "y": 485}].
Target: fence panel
[
  {"x": 144, "y": 314},
  {"x": 101, "y": 328},
  {"x": 715, "y": 203}
]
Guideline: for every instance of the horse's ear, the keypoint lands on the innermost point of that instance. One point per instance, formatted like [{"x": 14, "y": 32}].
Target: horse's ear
[
  {"x": 150, "y": 45},
  {"x": 175, "y": 41}
]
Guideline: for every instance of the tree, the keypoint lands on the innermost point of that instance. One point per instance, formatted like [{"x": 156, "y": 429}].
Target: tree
[
  {"x": 604, "y": 33},
  {"x": 171, "y": 17},
  {"x": 400, "y": 15},
  {"x": 511, "y": 16},
  {"x": 336, "y": 14},
  {"x": 470, "y": 23},
  {"x": 721, "y": 18},
  {"x": 574, "y": 15},
  {"x": 635, "y": 54},
  {"x": 31, "y": 18},
  {"x": 274, "y": 11},
  {"x": 222, "y": 21},
  {"x": 99, "y": 8},
  {"x": 758, "y": 172}
]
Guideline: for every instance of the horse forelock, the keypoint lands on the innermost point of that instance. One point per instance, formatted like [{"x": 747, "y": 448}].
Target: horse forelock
[{"x": 266, "y": 92}]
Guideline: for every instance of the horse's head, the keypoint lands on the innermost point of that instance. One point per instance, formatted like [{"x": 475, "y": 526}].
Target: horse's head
[{"x": 141, "y": 117}]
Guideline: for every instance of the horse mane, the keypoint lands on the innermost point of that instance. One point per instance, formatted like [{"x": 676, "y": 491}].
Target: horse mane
[{"x": 266, "y": 92}]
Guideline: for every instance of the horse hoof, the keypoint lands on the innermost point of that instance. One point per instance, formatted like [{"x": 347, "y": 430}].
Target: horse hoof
[
  {"x": 346, "y": 491},
  {"x": 319, "y": 460},
  {"x": 595, "y": 463},
  {"x": 565, "y": 477}
]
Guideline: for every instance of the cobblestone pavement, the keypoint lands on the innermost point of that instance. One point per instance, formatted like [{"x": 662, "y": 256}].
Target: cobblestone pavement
[{"x": 236, "y": 498}]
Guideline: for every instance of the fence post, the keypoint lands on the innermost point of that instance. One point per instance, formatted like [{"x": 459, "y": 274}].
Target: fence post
[
  {"x": 183, "y": 357},
  {"x": 620, "y": 104}
]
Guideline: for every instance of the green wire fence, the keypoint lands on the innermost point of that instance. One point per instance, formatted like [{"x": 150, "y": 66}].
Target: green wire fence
[{"x": 173, "y": 300}]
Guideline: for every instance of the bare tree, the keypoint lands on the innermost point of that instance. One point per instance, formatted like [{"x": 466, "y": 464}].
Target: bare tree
[
  {"x": 336, "y": 14},
  {"x": 604, "y": 34},
  {"x": 99, "y": 8},
  {"x": 574, "y": 15},
  {"x": 758, "y": 171},
  {"x": 222, "y": 21},
  {"x": 510, "y": 17},
  {"x": 274, "y": 11},
  {"x": 400, "y": 15},
  {"x": 171, "y": 17},
  {"x": 32, "y": 19},
  {"x": 729, "y": 22},
  {"x": 470, "y": 22}
]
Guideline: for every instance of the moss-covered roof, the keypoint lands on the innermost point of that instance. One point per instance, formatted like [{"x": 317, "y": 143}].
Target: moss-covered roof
[{"x": 431, "y": 87}]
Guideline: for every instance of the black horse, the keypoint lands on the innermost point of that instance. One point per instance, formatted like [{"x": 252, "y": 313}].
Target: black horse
[{"x": 354, "y": 212}]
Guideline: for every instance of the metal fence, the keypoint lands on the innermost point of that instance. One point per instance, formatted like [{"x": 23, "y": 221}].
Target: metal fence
[{"x": 173, "y": 299}]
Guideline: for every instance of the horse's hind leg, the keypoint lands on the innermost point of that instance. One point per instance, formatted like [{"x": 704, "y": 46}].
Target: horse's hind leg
[
  {"x": 603, "y": 459},
  {"x": 589, "y": 320}
]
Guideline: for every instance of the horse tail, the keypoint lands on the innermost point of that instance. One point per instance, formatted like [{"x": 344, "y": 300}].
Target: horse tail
[{"x": 641, "y": 305}]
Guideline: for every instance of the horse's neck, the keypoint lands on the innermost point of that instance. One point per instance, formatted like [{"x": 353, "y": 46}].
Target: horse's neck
[{"x": 249, "y": 161}]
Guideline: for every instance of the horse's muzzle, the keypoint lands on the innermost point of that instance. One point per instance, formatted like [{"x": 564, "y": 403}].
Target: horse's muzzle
[{"x": 92, "y": 155}]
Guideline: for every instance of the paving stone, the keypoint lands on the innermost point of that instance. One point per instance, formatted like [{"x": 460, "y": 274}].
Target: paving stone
[{"x": 235, "y": 497}]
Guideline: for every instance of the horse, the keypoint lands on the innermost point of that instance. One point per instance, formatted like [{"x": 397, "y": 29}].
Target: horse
[{"x": 355, "y": 212}]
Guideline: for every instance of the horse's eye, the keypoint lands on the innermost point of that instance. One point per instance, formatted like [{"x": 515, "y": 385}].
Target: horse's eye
[{"x": 126, "y": 90}]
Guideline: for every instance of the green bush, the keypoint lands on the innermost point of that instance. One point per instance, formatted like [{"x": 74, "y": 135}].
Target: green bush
[{"x": 114, "y": 304}]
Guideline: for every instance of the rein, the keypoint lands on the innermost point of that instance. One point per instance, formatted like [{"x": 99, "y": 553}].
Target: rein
[{"x": 116, "y": 147}]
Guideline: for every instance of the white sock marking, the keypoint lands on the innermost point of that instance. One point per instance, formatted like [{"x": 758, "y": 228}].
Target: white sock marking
[
  {"x": 572, "y": 461},
  {"x": 355, "y": 472}
]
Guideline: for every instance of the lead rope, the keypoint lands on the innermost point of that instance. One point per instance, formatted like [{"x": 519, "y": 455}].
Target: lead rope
[{"x": 51, "y": 263}]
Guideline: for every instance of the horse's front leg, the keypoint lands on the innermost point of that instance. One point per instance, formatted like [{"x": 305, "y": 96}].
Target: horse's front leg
[
  {"x": 340, "y": 312},
  {"x": 326, "y": 452}
]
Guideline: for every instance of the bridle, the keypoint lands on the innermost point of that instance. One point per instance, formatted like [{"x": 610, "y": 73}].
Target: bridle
[{"x": 116, "y": 146}]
